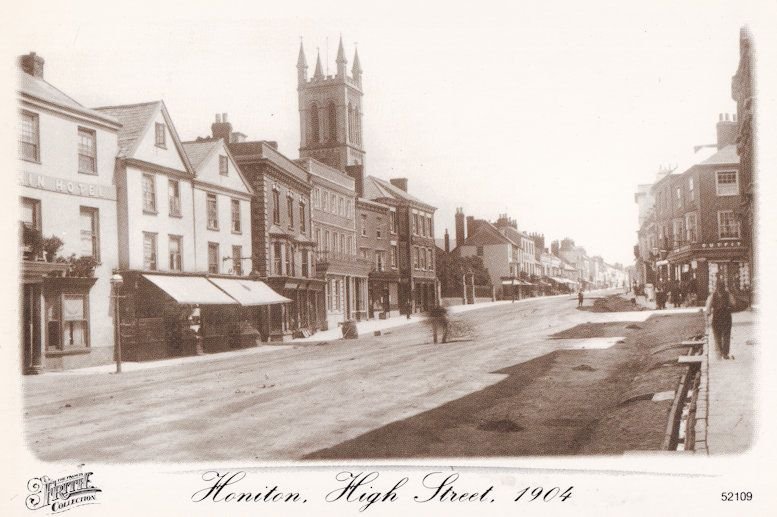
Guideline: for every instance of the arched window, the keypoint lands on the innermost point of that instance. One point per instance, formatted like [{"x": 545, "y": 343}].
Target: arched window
[
  {"x": 315, "y": 134},
  {"x": 332, "y": 122},
  {"x": 350, "y": 122}
]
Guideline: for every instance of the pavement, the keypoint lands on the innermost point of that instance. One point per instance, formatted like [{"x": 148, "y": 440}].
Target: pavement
[
  {"x": 726, "y": 413},
  {"x": 731, "y": 389}
]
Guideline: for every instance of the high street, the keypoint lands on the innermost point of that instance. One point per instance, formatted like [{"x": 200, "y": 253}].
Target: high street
[{"x": 286, "y": 402}]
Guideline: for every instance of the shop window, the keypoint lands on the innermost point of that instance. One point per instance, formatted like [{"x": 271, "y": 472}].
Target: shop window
[
  {"x": 29, "y": 137},
  {"x": 87, "y": 151},
  {"x": 213, "y": 257},
  {"x": 213, "y": 213},
  {"x": 67, "y": 322},
  {"x": 90, "y": 232},
  {"x": 149, "y": 251},
  {"x": 174, "y": 252}
]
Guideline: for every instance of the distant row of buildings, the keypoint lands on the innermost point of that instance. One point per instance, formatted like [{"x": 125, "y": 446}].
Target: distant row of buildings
[
  {"x": 519, "y": 264},
  {"x": 130, "y": 234},
  {"x": 696, "y": 221}
]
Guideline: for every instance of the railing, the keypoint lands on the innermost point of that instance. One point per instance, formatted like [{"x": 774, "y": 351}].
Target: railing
[{"x": 324, "y": 258}]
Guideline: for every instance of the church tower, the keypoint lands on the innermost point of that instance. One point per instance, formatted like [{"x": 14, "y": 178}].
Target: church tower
[{"x": 330, "y": 112}]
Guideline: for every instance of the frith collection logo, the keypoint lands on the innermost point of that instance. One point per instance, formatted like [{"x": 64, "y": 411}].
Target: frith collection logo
[{"x": 61, "y": 494}]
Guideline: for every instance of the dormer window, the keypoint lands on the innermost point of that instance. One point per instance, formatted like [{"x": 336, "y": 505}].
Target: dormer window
[
  {"x": 160, "y": 135},
  {"x": 223, "y": 165}
]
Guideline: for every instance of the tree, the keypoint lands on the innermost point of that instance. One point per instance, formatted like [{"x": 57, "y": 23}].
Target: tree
[{"x": 451, "y": 267}]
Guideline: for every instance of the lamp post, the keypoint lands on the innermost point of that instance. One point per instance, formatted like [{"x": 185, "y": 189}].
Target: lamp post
[{"x": 116, "y": 282}]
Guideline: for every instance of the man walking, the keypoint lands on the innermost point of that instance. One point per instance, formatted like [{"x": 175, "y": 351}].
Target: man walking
[
  {"x": 439, "y": 317},
  {"x": 580, "y": 298},
  {"x": 719, "y": 306}
]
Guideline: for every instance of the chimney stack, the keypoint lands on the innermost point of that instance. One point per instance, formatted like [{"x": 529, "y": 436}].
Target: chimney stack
[
  {"x": 447, "y": 242},
  {"x": 460, "y": 237},
  {"x": 727, "y": 129},
  {"x": 221, "y": 128},
  {"x": 470, "y": 225},
  {"x": 32, "y": 64},
  {"x": 400, "y": 183}
]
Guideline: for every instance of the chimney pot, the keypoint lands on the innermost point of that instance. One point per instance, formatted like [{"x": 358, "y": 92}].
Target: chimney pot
[
  {"x": 218, "y": 118},
  {"x": 224, "y": 117}
]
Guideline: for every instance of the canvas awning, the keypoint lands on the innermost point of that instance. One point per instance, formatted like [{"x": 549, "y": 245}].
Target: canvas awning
[
  {"x": 191, "y": 290},
  {"x": 249, "y": 292}
]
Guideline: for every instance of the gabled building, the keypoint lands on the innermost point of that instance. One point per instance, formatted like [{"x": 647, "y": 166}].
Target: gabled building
[
  {"x": 67, "y": 191},
  {"x": 500, "y": 254},
  {"x": 222, "y": 209},
  {"x": 415, "y": 241}
]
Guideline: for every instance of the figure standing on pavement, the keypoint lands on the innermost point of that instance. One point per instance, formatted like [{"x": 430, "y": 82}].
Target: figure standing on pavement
[
  {"x": 439, "y": 317},
  {"x": 720, "y": 305},
  {"x": 580, "y": 298}
]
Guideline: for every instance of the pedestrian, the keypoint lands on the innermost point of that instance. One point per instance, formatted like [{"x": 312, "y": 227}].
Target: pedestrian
[
  {"x": 660, "y": 297},
  {"x": 675, "y": 293},
  {"x": 580, "y": 298},
  {"x": 718, "y": 309},
  {"x": 439, "y": 317}
]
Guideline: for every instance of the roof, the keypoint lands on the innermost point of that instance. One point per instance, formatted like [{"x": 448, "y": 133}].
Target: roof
[
  {"x": 133, "y": 119},
  {"x": 486, "y": 234},
  {"x": 376, "y": 188},
  {"x": 728, "y": 155},
  {"x": 38, "y": 88},
  {"x": 324, "y": 171},
  {"x": 261, "y": 149},
  {"x": 198, "y": 151}
]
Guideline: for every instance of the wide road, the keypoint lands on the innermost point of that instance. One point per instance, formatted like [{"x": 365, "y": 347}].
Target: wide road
[{"x": 284, "y": 402}]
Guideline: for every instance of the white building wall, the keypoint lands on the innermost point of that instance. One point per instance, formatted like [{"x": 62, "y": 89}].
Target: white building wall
[{"x": 224, "y": 235}]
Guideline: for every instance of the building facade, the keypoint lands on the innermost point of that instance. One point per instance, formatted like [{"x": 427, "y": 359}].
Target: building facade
[
  {"x": 698, "y": 220},
  {"x": 338, "y": 263},
  {"x": 67, "y": 189},
  {"x": 415, "y": 242},
  {"x": 282, "y": 241},
  {"x": 377, "y": 239}
]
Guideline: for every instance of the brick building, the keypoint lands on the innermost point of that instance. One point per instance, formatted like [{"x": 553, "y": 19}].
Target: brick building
[
  {"x": 281, "y": 228},
  {"x": 378, "y": 245},
  {"x": 415, "y": 241},
  {"x": 698, "y": 221}
]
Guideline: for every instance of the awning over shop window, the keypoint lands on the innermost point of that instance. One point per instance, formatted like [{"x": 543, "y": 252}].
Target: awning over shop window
[
  {"x": 249, "y": 292},
  {"x": 191, "y": 290}
]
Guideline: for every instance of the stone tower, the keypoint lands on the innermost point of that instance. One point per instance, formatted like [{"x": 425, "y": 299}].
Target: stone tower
[{"x": 330, "y": 112}]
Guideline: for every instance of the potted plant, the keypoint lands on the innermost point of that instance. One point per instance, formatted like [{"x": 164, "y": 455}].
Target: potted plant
[
  {"x": 81, "y": 267},
  {"x": 50, "y": 247}
]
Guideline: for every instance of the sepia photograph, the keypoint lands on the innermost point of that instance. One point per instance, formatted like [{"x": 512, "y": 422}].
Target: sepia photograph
[{"x": 413, "y": 237}]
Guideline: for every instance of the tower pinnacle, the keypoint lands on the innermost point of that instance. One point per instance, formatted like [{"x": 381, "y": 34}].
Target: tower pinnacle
[
  {"x": 356, "y": 70},
  {"x": 302, "y": 65},
  {"x": 341, "y": 61},
  {"x": 318, "y": 74}
]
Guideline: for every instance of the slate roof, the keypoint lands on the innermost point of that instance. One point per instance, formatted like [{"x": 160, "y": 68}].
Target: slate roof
[
  {"x": 376, "y": 188},
  {"x": 487, "y": 234},
  {"x": 133, "y": 118},
  {"x": 727, "y": 155},
  {"x": 198, "y": 151},
  {"x": 40, "y": 89}
]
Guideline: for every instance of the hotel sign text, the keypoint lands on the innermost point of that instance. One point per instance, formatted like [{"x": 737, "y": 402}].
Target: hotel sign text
[{"x": 76, "y": 188}]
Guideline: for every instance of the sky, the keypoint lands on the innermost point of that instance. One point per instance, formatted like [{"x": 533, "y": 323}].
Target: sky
[{"x": 551, "y": 114}]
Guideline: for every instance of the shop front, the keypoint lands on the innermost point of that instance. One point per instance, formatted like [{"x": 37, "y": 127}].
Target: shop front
[
  {"x": 383, "y": 297},
  {"x": 303, "y": 315},
  {"x": 698, "y": 267},
  {"x": 171, "y": 315}
]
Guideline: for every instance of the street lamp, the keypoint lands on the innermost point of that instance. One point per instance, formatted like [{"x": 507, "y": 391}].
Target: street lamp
[{"x": 116, "y": 282}]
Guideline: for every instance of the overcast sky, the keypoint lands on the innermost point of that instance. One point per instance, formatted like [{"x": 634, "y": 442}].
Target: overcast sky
[{"x": 552, "y": 115}]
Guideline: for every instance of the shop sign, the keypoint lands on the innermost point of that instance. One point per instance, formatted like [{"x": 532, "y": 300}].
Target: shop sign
[{"x": 75, "y": 188}]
